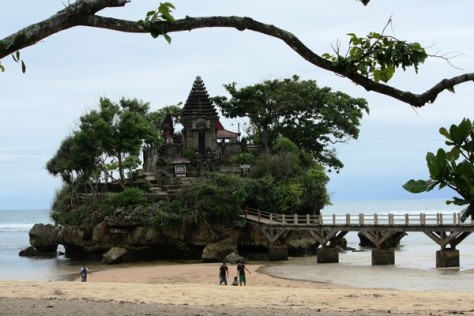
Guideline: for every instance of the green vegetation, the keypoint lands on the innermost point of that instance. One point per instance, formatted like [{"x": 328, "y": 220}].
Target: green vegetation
[
  {"x": 377, "y": 56},
  {"x": 108, "y": 139},
  {"x": 311, "y": 117},
  {"x": 293, "y": 121},
  {"x": 453, "y": 168},
  {"x": 271, "y": 186}
]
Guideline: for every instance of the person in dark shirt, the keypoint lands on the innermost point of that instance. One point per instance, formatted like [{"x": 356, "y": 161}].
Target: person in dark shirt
[
  {"x": 223, "y": 273},
  {"x": 84, "y": 272},
  {"x": 241, "y": 272}
]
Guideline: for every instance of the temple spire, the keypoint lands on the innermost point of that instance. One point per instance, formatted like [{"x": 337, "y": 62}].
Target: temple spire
[{"x": 198, "y": 105}]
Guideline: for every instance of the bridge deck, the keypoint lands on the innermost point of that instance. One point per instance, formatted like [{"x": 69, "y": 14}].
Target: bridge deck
[{"x": 388, "y": 222}]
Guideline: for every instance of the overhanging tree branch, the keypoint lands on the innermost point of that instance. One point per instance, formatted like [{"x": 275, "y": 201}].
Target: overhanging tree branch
[{"x": 83, "y": 13}]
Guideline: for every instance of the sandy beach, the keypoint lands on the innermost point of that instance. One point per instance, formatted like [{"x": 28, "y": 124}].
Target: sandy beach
[{"x": 193, "y": 289}]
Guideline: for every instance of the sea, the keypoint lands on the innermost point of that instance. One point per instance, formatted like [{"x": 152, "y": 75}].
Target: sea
[{"x": 414, "y": 268}]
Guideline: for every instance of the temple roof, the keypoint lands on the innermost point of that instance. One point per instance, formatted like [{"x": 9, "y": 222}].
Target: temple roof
[
  {"x": 198, "y": 104},
  {"x": 224, "y": 134}
]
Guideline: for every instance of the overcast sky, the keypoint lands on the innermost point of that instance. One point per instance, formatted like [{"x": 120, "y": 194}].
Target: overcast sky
[{"x": 68, "y": 72}]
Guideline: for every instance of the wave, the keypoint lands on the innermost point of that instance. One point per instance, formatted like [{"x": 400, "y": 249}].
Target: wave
[{"x": 15, "y": 227}]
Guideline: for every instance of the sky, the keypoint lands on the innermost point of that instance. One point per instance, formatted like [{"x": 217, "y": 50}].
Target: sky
[{"x": 68, "y": 72}]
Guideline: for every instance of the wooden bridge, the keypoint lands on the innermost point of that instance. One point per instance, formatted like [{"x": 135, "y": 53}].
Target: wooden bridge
[{"x": 384, "y": 231}]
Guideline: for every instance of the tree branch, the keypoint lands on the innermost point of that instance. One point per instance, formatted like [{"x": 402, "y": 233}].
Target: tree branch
[{"x": 83, "y": 13}]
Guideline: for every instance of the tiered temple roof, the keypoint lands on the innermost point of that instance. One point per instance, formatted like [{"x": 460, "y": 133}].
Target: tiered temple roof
[{"x": 198, "y": 104}]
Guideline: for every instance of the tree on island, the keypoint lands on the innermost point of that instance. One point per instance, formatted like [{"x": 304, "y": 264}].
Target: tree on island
[
  {"x": 313, "y": 118},
  {"x": 369, "y": 62},
  {"x": 108, "y": 139}
]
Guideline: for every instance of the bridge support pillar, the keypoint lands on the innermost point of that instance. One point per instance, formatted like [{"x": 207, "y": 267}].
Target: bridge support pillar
[
  {"x": 447, "y": 258},
  {"x": 383, "y": 256},
  {"x": 328, "y": 255},
  {"x": 278, "y": 252}
]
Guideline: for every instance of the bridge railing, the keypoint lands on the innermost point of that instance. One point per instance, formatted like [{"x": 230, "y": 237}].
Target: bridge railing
[{"x": 422, "y": 219}]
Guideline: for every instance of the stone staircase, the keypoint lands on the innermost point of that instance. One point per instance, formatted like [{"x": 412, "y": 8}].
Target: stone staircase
[{"x": 157, "y": 192}]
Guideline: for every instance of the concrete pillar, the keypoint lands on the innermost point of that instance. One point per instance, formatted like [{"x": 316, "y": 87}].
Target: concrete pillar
[
  {"x": 278, "y": 252},
  {"x": 328, "y": 255},
  {"x": 446, "y": 258},
  {"x": 383, "y": 256}
]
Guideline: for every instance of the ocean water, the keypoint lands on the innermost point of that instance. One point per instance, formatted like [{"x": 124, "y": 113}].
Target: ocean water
[
  {"x": 414, "y": 269},
  {"x": 14, "y": 228}
]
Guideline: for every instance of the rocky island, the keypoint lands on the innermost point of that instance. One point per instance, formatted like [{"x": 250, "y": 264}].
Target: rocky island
[{"x": 205, "y": 170}]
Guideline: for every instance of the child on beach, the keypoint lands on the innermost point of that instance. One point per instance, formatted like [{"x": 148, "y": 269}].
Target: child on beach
[
  {"x": 223, "y": 273},
  {"x": 84, "y": 272},
  {"x": 235, "y": 282},
  {"x": 241, "y": 272}
]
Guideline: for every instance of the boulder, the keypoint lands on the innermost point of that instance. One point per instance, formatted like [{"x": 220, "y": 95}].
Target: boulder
[
  {"x": 302, "y": 244},
  {"x": 115, "y": 255},
  {"x": 217, "y": 252},
  {"x": 44, "y": 238},
  {"x": 233, "y": 258},
  {"x": 28, "y": 252}
]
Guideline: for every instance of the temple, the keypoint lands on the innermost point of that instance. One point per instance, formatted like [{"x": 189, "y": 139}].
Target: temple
[{"x": 203, "y": 146}]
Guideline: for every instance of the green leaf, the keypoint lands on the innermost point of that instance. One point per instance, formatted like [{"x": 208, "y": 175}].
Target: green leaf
[
  {"x": 451, "y": 89},
  {"x": 418, "y": 186},
  {"x": 23, "y": 66},
  {"x": 2, "y": 68},
  {"x": 443, "y": 131},
  {"x": 454, "y": 154},
  {"x": 326, "y": 56},
  {"x": 465, "y": 213},
  {"x": 167, "y": 38},
  {"x": 165, "y": 10}
]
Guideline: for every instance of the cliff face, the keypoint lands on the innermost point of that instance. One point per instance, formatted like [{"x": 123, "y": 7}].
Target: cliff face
[{"x": 188, "y": 242}]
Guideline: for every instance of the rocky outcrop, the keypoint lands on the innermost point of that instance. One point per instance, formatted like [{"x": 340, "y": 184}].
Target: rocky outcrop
[
  {"x": 44, "y": 238},
  {"x": 33, "y": 252},
  {"x": 233, "y": 258},
  {"x": 172, "y": 242},
  {"x": 218, "y": 251},
  {"x": 28, "y": 252},
  {"x": 115, "y": 255},
  {"x": 119, "y": 238}
]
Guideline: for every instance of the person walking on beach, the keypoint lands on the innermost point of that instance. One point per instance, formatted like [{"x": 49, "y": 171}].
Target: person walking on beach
[
  {"x": 241, "y": 272},
  {"x": 84, "y": 272},
  {"x": 223, "y": 273}
]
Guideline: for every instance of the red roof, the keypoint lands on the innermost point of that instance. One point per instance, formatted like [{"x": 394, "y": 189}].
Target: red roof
[
  {"x": 218, "y": 125},
  {"x": 222, "y": 133}
]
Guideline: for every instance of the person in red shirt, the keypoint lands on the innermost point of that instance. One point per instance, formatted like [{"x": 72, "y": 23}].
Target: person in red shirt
[{"x": 241, "y": 272}]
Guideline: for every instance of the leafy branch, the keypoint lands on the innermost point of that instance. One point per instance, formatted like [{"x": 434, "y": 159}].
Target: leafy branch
[
  {"x": 453, "y": 169},
  {"x": 84, "y": 13},
  {"x": 162, "y": 13},
  {"x": 377, "y": 56}
]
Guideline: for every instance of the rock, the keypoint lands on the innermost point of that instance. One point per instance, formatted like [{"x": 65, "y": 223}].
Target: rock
[
  {"x": 218, "y": 251},
  {"x": 115, "y": 255},
  {"x": 44, "y": 238},
  {"x": 28, "y": 252},
  {"x": 33, "y": 252},
  {"x": 233, "y": 258},
  {"x": 302, "y": 244}
]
